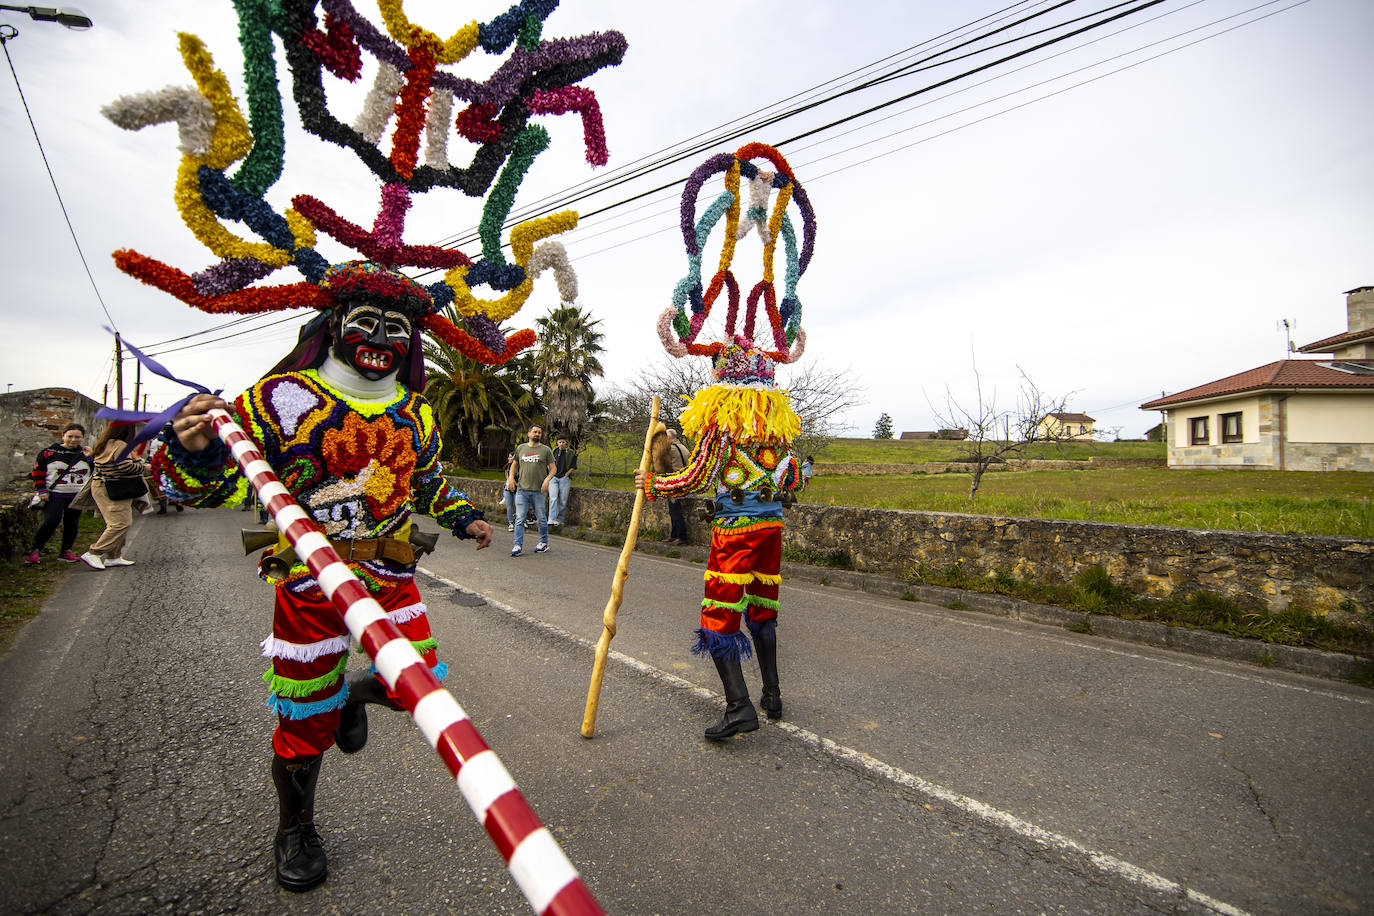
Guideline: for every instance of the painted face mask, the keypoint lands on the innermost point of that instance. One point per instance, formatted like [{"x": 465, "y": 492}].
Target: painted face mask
[{"x": 371, "y": 340}]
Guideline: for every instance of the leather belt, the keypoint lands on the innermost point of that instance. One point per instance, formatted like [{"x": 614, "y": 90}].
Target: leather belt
[{"x": 375, "y": 549}]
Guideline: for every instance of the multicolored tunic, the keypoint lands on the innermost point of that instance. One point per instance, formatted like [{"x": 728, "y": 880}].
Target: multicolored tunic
[
  {"x": 743, "y": 435},
  {"x": 358, "y": 468}
]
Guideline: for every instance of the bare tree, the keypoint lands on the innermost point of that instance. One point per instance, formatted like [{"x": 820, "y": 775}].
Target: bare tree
[{"x": 993, "y": 433}]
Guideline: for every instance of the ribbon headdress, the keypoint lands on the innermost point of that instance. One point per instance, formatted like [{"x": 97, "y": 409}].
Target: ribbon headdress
[
  {"x": 744, "y": 402},
  {"x": 537, "y": 79}
]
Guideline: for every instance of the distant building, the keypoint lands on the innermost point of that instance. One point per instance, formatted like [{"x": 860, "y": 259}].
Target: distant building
[
  {"x": 950, "y": 434},
  {"x": 1072, "y": 426},
  {"x": 1289, "y": 415}
]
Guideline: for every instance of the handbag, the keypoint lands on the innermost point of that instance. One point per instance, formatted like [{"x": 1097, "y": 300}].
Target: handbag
[{"x": 126, "y": 487}]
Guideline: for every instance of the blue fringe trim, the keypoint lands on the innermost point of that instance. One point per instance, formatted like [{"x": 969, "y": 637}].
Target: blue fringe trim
[
  {"x": 722, "y": 645},
  {"x": 290, "y": 709},
  {"x": 440, "y": 671}
]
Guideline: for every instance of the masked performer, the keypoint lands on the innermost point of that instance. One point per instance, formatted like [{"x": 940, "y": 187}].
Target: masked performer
[
  {"x": 359, "y": 451},
  {"x": 341, "y": 419},
  {"x": 743, "y": 424}
]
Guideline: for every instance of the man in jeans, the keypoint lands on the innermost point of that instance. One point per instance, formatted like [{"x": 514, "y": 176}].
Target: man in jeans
[
  {"x": 561, "y": 485},
  {"x": 528, "y": 479}
]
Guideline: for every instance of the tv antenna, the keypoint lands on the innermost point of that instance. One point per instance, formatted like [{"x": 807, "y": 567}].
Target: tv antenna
[{"x": 1288, "y": 325}]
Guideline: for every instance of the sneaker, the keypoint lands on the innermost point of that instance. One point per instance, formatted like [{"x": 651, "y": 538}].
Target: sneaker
[
  {"x": 93, "y": 561},
  {"x": 118, "y": 561},
  {"x": 33, "y": 560},
  {"x": 515, "y": 551},
  {"x": 510, "y": 527},
  {"x": 541, "y": 547},
  {"x": 67, "y": 556}
]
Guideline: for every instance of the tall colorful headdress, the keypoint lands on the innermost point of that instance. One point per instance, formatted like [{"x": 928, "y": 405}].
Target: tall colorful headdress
[
  {"x": 410, "y": 88},
  {"x": 744, "y": 402}
]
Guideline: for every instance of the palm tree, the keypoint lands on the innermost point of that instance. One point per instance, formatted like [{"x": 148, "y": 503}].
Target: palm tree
[
  {"x": 470, "y": 399},
  {"x": 564, "y": 366}
]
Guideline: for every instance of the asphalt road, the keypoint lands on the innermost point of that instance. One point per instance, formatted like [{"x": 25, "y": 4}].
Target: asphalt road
[{"x": 931, "y": 761}]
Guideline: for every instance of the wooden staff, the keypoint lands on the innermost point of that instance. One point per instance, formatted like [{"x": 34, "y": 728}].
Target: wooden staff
[{"x": 622, "y": 571}]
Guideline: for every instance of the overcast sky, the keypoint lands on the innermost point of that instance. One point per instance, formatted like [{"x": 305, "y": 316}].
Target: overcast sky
[{"x": 1141, "y": 233}]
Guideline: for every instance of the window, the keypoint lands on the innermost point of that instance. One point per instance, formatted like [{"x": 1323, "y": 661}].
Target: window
[
  {"x": 1230, "y": 428},
  {"x": 1197, "y": 431}
]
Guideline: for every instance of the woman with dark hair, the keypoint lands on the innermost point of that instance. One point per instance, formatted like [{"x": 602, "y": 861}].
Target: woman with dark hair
[
  {"x": 112, "y": 474},
  {"x": 60, "y": 472}
]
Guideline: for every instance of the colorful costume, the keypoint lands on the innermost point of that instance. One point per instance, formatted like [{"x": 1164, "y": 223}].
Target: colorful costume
[
  {"x": 340, "y": 418},
  {"x": 743, "y": 424},
  {"x": 357, "y": 468}
]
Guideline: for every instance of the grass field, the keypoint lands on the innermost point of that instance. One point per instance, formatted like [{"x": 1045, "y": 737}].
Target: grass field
[{"x": 1282, "y": 502}]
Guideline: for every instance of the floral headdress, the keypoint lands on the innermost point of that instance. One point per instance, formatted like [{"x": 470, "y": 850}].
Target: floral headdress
[
  {"x": 537, "y": 79},
  {"x": 676, "y": 327},
  {"x": 744, "y": 403}
]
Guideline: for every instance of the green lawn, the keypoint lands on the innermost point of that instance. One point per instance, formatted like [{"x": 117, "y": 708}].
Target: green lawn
[{"x": 1283, "y": 502}]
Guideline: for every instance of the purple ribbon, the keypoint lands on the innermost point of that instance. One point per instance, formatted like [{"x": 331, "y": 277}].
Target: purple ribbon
[{"x": 152, "y": 423}]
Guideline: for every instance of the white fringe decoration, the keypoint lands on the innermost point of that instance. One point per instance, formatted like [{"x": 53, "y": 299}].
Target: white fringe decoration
[
  {"x": 380, "y": 103},
  {"x": 296, "y": 652},
  {"x": 193, "y": 113},
  {"x": 554, "y": 255},
  {"x": 436, "y": 128}
]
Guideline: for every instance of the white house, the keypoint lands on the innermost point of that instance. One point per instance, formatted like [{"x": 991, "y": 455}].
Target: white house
[{"x": 1289, "y": 415}]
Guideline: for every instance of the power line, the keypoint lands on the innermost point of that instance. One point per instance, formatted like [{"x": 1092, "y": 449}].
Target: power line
[
  {"x": 5, "y": 37},
  {"x": 815, "y": 178},
  {"x": 739, "y": 132}
]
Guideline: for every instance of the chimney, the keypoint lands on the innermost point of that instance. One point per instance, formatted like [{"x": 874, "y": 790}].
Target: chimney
[{"x": 1359, "y": 309}]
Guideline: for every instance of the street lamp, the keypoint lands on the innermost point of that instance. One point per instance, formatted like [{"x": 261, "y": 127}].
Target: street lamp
[{"x": 69, "y": 16}]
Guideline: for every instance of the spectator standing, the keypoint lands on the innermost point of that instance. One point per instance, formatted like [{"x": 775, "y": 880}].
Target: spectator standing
[
  {"x": 561, "y": 486},
  {"x": 507, "y": 497},
  {"x": 529, "y": 479},
  {"x": 117, "y": 484},
  {"x": 60, "y": 472},
  {"x": 806, "y": 472},
  {"x": 671, "y": 459}
]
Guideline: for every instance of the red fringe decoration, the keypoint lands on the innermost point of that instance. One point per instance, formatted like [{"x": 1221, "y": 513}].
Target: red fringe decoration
[
  {"x": 322, "y": 217},
  {"x": 410, "y": 112},
  {"x": 476, "y": 123},
  {"x": 470, "y": 347},
  {"x": 336, "y": 48},
  {"x": 240, "y": 302}
]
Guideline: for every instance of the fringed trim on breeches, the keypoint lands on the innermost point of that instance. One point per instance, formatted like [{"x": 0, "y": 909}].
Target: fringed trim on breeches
[
  {"x": 290, "y": 709},
  {"x": 290, "y": 687},
  {"x": 306, "y": 652},
  {"x": 722, "y": 645}
]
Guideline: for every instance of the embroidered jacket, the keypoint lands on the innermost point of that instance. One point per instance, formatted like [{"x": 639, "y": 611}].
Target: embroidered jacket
[{"x": 358, "y": 468}]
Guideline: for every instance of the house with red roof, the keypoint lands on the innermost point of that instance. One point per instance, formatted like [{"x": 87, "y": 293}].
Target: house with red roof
[{"x": 1289, "y": 415}]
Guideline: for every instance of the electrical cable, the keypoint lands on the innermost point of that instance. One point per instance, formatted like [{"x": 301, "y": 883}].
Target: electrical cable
[
  {"x": 777, "y": 118},
  {"x": 4, "y": 43}
]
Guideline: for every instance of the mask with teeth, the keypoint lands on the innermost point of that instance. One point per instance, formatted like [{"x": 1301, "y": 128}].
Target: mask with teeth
[{"x": 371, "y": 338}]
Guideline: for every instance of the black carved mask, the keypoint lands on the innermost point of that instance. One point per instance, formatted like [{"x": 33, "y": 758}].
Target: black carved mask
[{"x": 372, "y": 340}]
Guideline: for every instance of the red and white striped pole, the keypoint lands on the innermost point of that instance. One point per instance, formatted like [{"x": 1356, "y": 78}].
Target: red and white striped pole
[{"x": 543, "y": 873}]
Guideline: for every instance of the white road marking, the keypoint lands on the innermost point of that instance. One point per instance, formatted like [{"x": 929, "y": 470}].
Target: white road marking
[{"x": 1104, "y": 862}]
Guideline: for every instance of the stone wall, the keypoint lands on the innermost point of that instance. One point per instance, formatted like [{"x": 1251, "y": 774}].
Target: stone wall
[
  {"x": 29, "y": 422},
  {"x": 1253, "y": 569},
  {"x": 32, "y": 420}
]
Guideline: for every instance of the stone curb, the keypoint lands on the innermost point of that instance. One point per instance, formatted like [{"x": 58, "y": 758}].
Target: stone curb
[{"x": 1315, "y": 662}]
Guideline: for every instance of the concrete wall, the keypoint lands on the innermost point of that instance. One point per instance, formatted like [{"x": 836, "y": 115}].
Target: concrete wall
[{"x": 1264, "y": 571}]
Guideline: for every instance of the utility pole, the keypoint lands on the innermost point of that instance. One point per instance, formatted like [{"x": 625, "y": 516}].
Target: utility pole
[
  {"x": 119, "y": 374},
  {"x": 138, "y": 383}
]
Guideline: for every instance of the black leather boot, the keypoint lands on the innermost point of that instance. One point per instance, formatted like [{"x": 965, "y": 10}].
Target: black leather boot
[
  {"x": 766, "y": 648},
  {"x": 351, "y": 735},
  {"x": 301, "y": 862},
  {"x": 739, "y": 712}
]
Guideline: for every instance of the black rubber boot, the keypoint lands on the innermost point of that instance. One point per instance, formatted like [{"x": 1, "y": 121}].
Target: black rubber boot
[
  {"x": 766, "y": 648},
  {"x": 739, "y": 712},
  {"x": 351, "y": 735},
  {"x": 301, "y": 862}
]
